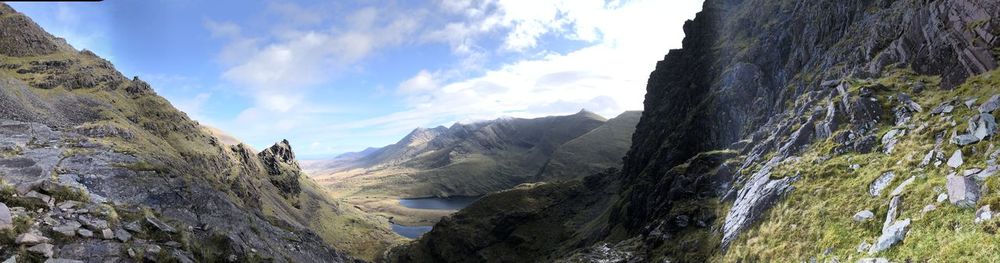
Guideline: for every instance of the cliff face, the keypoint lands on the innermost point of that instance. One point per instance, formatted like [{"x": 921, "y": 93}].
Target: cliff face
[
  {"x": 767, "y": 97},
  {"x": 96, "y": 167}
]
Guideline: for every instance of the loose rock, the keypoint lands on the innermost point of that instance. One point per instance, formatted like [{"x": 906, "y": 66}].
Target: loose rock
[
  {"x": 956, "y": 159},
  {"x": 6, "y": 220},
  {"x": 863, "y": 216},
  {"x": 31, "y": 238},
  {"x": 962, "y": 191},
  {"x": 890, "y": 236},
  {"x": 42, "y": 249},
  {"x": 880, "y": 183},
  {"x": 983, "y": 214}
]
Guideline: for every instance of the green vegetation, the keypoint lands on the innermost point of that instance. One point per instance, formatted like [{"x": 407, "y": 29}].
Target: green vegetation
[{"x": 817, "y": 215}]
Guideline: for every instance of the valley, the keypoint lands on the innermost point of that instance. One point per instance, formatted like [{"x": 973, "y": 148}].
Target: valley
[{"x": 409, "y": 181}]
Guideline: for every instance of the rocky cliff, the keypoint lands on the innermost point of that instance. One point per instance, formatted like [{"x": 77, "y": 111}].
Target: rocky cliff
[
  {"x": 760, "y": 137},
  {"x": 96, "y": 167}
]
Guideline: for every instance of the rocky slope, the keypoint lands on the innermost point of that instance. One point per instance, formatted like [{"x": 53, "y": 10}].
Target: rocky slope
[
  {"x": 777, "y": 125},
  {"x": 474, "y": 159},
  {"x": 97, "y": 167}
]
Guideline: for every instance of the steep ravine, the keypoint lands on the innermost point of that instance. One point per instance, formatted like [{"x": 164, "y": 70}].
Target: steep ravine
[{"x": 765, "y": 99}]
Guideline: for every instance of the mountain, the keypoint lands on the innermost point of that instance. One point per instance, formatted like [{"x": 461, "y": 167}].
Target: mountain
[
  {"x": 782, "y": 131},
  {"x": 593, "y": 152},
  {"x": 97, "y": 167}
]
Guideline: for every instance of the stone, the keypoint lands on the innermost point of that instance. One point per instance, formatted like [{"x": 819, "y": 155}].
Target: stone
[
  {"x": 983, "y": 214},
  {"x": 864, "y": 246},
  {"x": 11, "y": 259},
  {"x": 757, "y": 195},
  {"x": 890, "y": 236},
  {"x": 902, "y": 186},
  {"x": 962, "y": 191},
  {"x": 942, "y": 197},
  {"x": 990, "y": 105},
  {"x": 964, "y": 139},
  {"x": 107, "y": 233},
  {"x": 153, "y": 249},
  {"x": 66, "y": 230},
  {"x": 160, "y": 225},
  {"x": 971, "y": 171},
  {"x": 863, "y": 216},
  {"x": 93, "y": 223},
  {"x": 40, "y": 197},
  {"x": 956, "y": 159},
  {"x": 85, "y": 233},
  {"x": 880, "y": 183},
  {"x": 31, "y": 238},
  {"x": 855, "y": 167},
  {"x": 890, "y": 139},
  {"x": 122, "y": 235},
  {"x": 6, "y": 219},
  {"x": 970, "y": 102},
  {"x": 133, "y": 227},
  {"x": 986, "y": 173},
  {"x": 873, "y": 260},
  {"x": 62, "y": 260},
  {"x": 890, "y": 215},
  {"x": 982, "y": 125},
  {"x": 928, "y": 208},
  {"x": 927, "y": 159},
  {"x": 42, "y": 249}
]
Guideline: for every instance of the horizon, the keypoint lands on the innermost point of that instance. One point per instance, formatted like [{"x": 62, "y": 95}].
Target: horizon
[{"x": 264, "y": 71}]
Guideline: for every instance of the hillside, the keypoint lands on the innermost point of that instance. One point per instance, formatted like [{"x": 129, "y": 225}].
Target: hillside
[
  {"x": 783, "y": 131},
  {"x": 96, "y": 167},
  {"x": 471, "y": 160}
]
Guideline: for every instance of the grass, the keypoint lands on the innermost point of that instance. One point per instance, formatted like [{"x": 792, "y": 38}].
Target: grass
[{"x": 816, "y": 216}]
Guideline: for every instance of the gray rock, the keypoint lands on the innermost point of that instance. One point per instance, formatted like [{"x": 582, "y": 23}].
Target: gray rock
[
  {"x": 864, "y": 246},
  {"x": 970, "y": 102},
  {"x": 122, "y": 235},
  {"x": 890, "y": 139},
  {"x": 85, "y": 233},
  {"x": 902, "y": 186},
  {"x": 880, "y": 183},
  {"x": 42, "y": 249},
  {"x": 66, "y": 230},
  {"x": 928, "y": 208},
  {"x": 93, "y": 223},
  {"x": 31, "y": 238},
  {"x": 873, "y": 260},
  {"x": 6, "y": 219},
  {"x": 11, "y": 259},
  {"x": 983, "y": 214},
  {"x": 756, "y": 196},
  {"x": 890, "y": 236},
  {"x": 40, "y": 197},
  {"x": 990, "y": 105},
  {"x": 986, "y": 173},
  {"x": 160, "y": 225},
  {"x": 927, "y": 159},
  {"x": 62, "y": 260},
  {"x": 982, "y": 126},
  {"x": 956, "y": 159},
  {"x": 962, "y": 191},
  {"x": 107, "y": 233},
  {"x": 942, "y": 197},
  {"x": 971, "y": 171},
  {"x": 863, "y": 216},
  {"x": 890, "y": 215},
  {"x": 133, "y": 226}
]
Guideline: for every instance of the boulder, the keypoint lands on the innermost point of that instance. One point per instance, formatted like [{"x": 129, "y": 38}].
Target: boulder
[
  {"x": 757, "y": 195},
  {"x": 880, "y": 183},
  {"x": 863, "y": 216},
  {"x": 31, "y": 238},
  {"x": 890, "y": 139},
  {"x": 990, "y": 105},
  {"x": 962, "y": 191},
  {"x": 6, "y": 219},
  {"x": 983, "y": 214},
  {"x": 890, "y": 236},
  {"x": 986, "y": 173},
  {"x": 902, "y": 186},
  {"x": 956, "y": 159},
  {"x": 122, "y": 235},
  {"x": 890, "y": 215},
  {"x": 85, "y": 233},
  {"x": 42, "y": 249},
  {"x": 66, "y": 230},
  {"x": 160, "y": 225}
]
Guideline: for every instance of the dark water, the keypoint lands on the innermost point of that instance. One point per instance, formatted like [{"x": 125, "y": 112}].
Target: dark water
[
  {"x": 411, "y": 232},
  {"x": 435, "y": 203},
  {"x": 432, "y": 203}
]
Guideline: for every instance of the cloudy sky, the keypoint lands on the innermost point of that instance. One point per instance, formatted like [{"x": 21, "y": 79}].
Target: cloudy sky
[{"x": 339, "y": 76}]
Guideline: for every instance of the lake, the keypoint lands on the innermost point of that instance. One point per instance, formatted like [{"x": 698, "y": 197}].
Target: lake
[
  {"x": 438, "y": 203},
  {"x": 430, "y": 203}
]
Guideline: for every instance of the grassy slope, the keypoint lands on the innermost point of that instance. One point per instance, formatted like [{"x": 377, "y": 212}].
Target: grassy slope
[
  {"x": 168, "y": 140},
  {"x": 817, "y": 215},
  {"x": 590, "y": 153}
]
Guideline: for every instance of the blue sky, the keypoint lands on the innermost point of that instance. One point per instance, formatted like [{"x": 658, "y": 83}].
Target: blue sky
[{"x": 339, "y": 76}]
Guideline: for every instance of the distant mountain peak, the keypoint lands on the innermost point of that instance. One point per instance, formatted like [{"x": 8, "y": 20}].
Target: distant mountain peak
[{"x": 21, "y": 37}]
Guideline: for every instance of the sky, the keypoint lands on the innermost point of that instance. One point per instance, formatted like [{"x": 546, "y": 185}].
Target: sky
[{"x": 340, "y": 76}]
